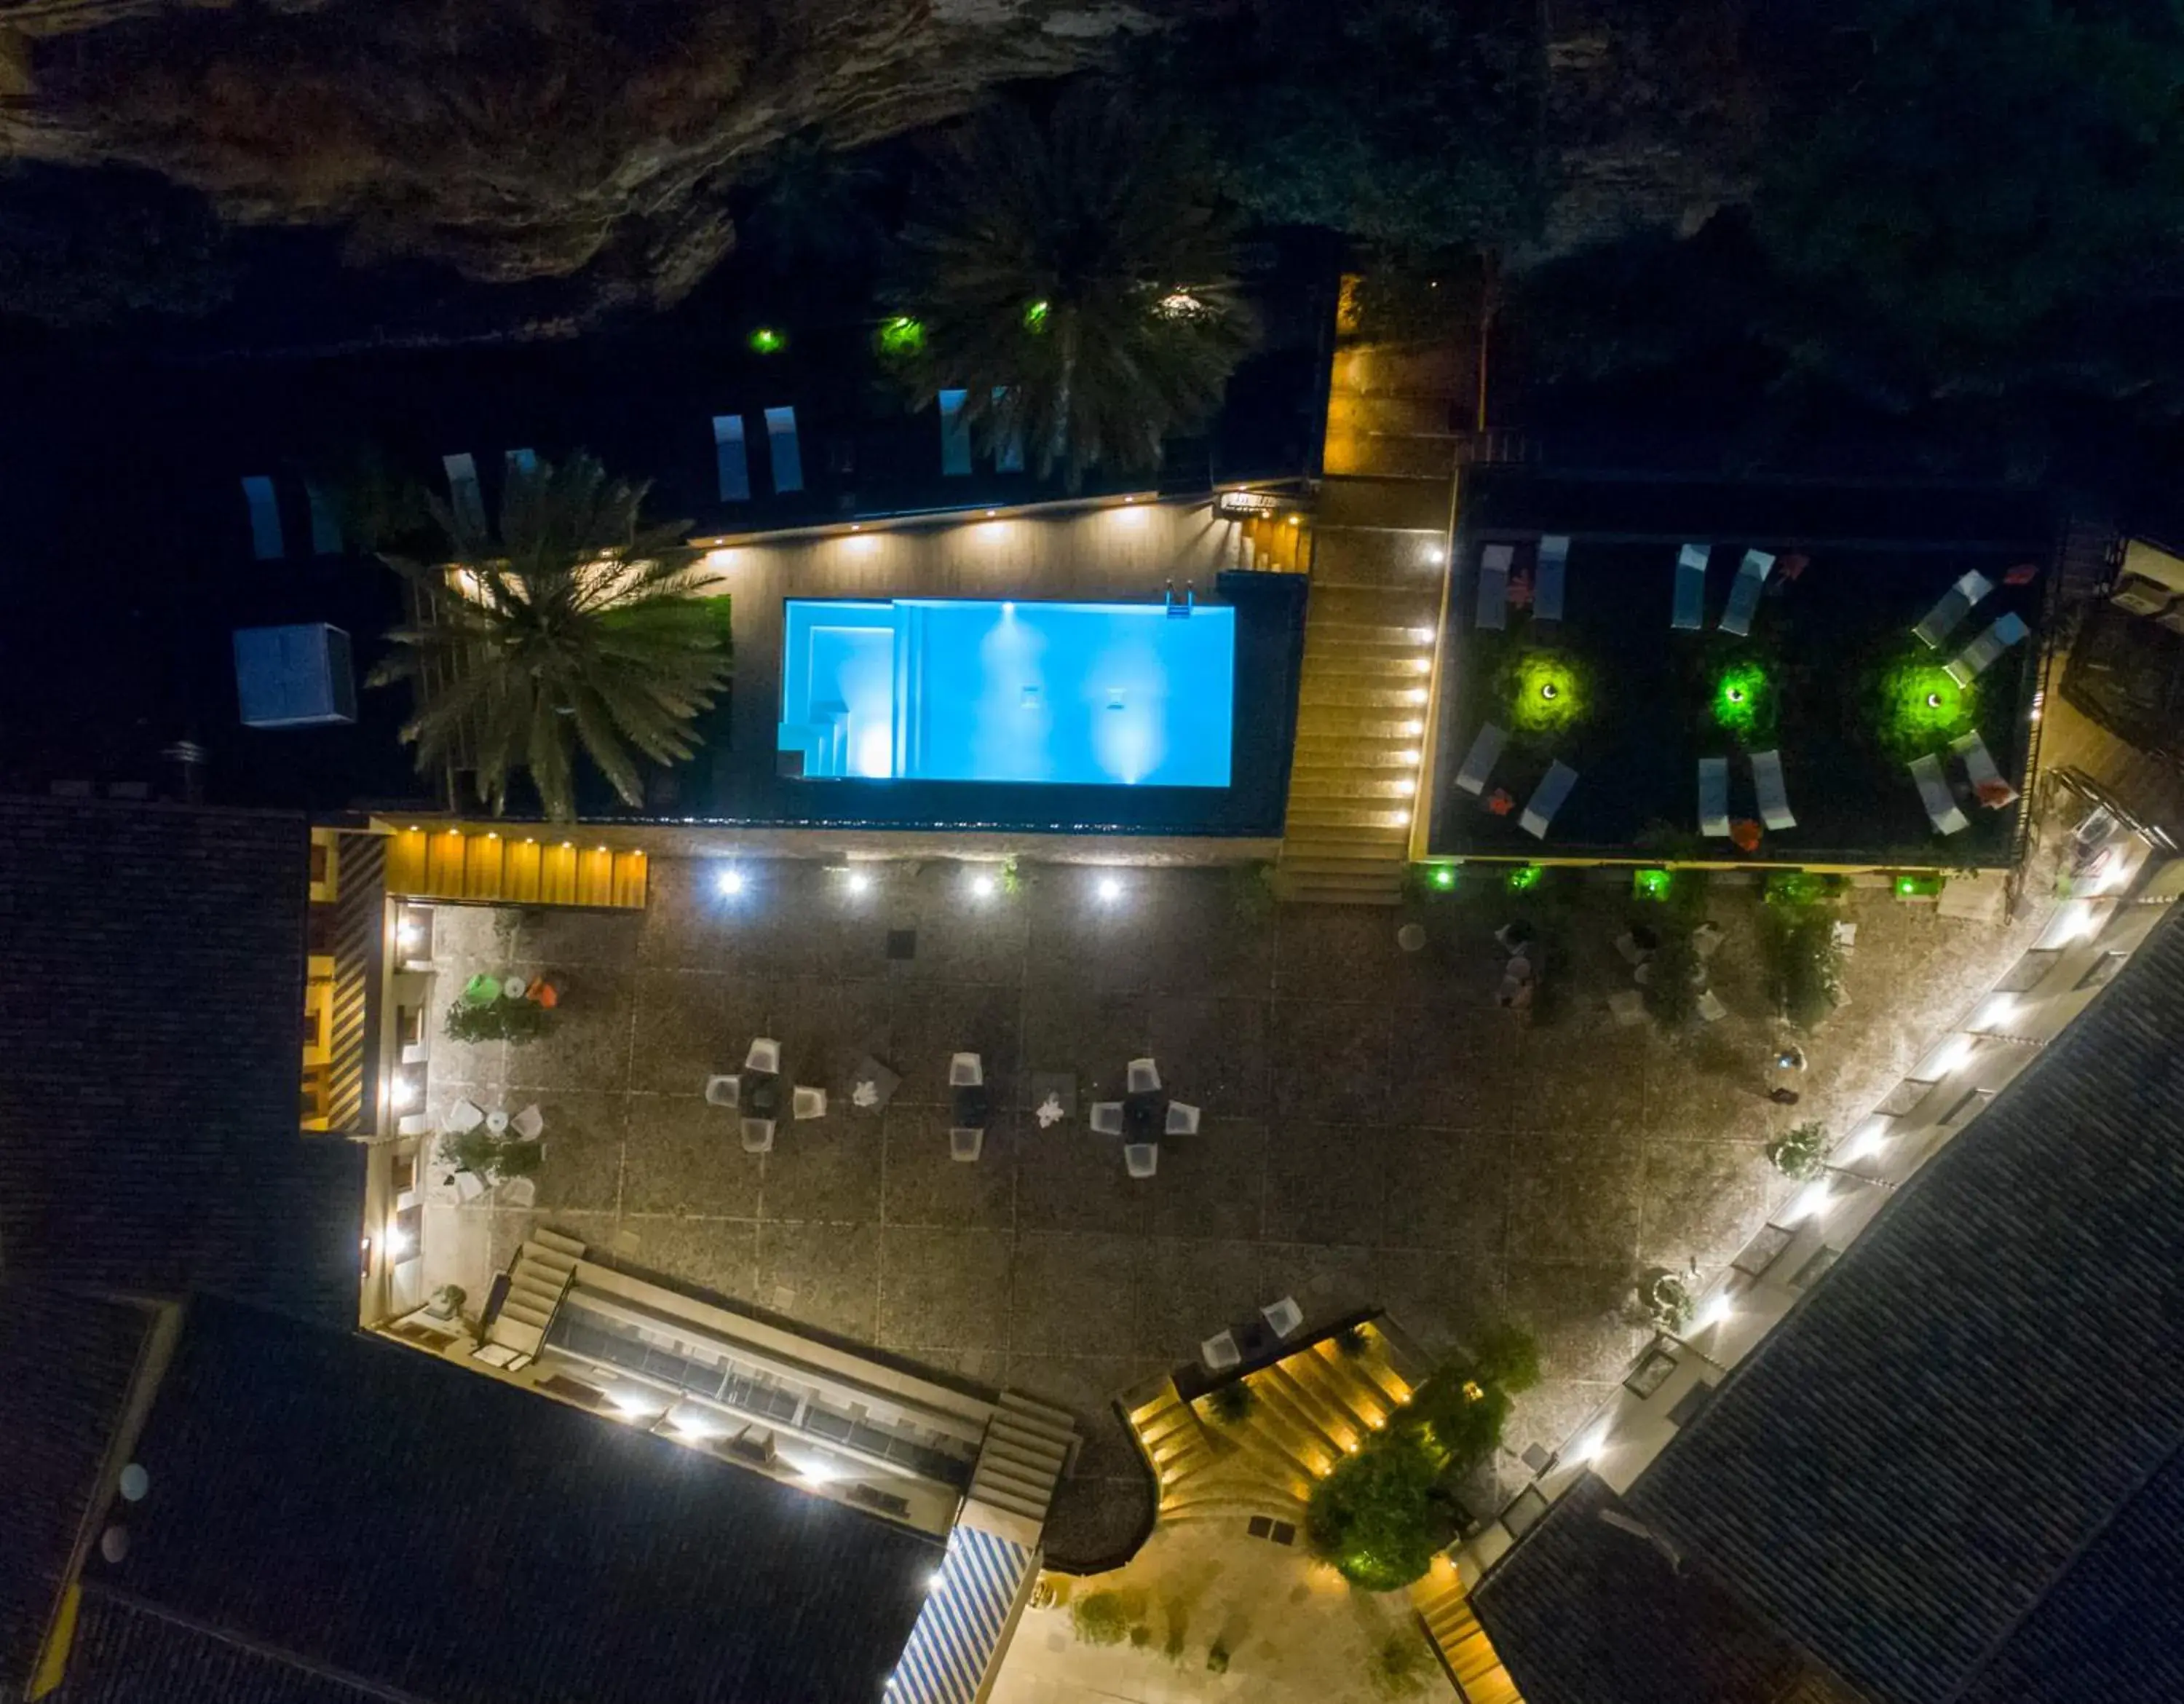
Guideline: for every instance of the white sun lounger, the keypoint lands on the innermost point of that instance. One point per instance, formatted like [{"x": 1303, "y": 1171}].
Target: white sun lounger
[
  {"x": 1548, "y": 798},
  {"x": 1934, "y": 793},
  {"x": 1478, "y": 763},
  {"x": 1774, "y": 797},
  {"x": 1979, "y": 765},
  {"x": 1714, "y": 797},
  {"x": 1494, "y": 586},
  {"x": 1690, "y": 588},
  {"x": 1744, "y": 595},
  {"x": 1972, "y": 662},
  {"x": 1955, "y": 605},
  {"x": 1547, "y": 583}
]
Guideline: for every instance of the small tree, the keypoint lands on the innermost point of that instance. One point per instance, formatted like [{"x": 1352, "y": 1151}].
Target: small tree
[
  {"x": 1102, "y": 1617},
  {"x": 1800, "y": 1153},
  {"x": 1379, "y": 1516},
  {"x": 1232, "y": 1403},
  {"x": 496, "y": 1020},
  {"x": 1804, "y": 963},
  {"x": 1667, "y": 1300},
  {"x": 1672, "y": 984}
]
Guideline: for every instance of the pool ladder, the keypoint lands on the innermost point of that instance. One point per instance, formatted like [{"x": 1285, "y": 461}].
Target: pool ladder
[{"x": 1180, "y": 608}]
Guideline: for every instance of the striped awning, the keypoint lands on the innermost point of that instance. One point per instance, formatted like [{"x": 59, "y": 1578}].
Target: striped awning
[{"x": 960, "y": 1629}]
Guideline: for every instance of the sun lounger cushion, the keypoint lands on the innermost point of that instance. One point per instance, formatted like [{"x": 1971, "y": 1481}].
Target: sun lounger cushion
[
  {"x": 1744, "y": 595},
  {"x": 1547, "y": 587},
  {"x": 1975, "y": 657},
  {"x": 1494, "y": 586},
  {"x": 1955, "y": 605},
  {"x": 1691, "y": 587},
  {"x": 1478, "y": 763},
  {"x": 1987, "y": 779},
  {"x": 1934, "y": 793},
  {"x": 1774, "y": 797},
  {"x": 1548, "y": 798},
  {"x": 1714, "y": 797}
]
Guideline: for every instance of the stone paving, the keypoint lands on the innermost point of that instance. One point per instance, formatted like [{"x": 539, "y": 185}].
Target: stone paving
[{"x": 1377, "y": 1130}]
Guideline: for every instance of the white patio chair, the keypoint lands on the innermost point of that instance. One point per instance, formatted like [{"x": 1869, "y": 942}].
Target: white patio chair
[
  {"x": 723, "y": 1091},
  {"x": 1141, "y": 1158},
  {"x": 1220, "y": 1353},
  {"x": 1547, "y": 583},
  {"x": 1744, "y": 595},
  {"x": 1773, "y": 795},
  {"x": 965, "y": 1144},
  {"x": 1689, "y": 613},
  {"x": 520, "y": 1191},
  {"x": 1182, "y": 1120},
  {"x": 1714, "y": 797},
  {"x": 1934, "y": 793},
  {"x": 1627, "y": 1006},
  {"x": 1145, "y": 1077},
  {"x": 469, "y": 1185},
  {"x": 1548, "y": 798},
  {"x": 1987, "y": 780},
  {"x": 758, "y": 1134},
  {"x": 529, "y": 1124},
  {"x": 1283, "y": 1318},
  {"x": 465, "y": 1116},
  {"x": 1106, "y": 1118},
  {"x": 1493, "y": 606},
  {"x": 765, "y": 1055},
  {"x": 1955, "y": 605},
  {"x": 966, "y": 1071},
  {"x": 1974, "y": 660},
  {"x": 1478, "y": 763},
  {"x": 807, "y": 1102},
  {"x": 1710, "y": 1007}
]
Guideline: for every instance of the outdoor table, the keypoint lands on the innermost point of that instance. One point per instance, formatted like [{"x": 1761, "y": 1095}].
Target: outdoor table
[
  {"x": 970, "y": 1106},
  {"x": 1144, "y": 1115},
  {"x": 761, "y": 1094},
  {"x": 873, "y": 1085}
]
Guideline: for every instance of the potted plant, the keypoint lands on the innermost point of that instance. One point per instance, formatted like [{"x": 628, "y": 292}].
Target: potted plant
[{"x": 1800, "y": 1153}]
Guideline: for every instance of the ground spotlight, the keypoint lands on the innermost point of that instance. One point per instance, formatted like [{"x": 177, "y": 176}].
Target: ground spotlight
[
  {"x": 1110, "y": 889},
  {"x": 729, "y": 882}
]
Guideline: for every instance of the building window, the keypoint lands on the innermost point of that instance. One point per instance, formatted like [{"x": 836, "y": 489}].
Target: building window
[
  {"x": 465, "y": 496},
  {"x": 1760, "y": 1253},
  {"x": 1651, "y": 1373},
  {"x": 955, "y": 434},
  {"x": 1811, "y": 1272}
]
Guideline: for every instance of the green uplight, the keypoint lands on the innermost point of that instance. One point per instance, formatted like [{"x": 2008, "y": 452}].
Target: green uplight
[
  {"x": 901, "y": 336},
  {"x": 1922, "y": 709},
  {"x": 1742, "y": 700},
  {"x": 1034, "y": 314},
  {"x": 1547, "y": 694},
  {"x": 1444, "y": 876},
  {"x": 1525, "y": 876},
  {"x": 1650, "y": 884},
  {"x": 766, "y": 341}
]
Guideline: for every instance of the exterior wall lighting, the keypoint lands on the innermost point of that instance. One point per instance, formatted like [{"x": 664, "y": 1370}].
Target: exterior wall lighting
[
  {"x": 402, "y": 1092},
  {"x": 1867, "y": 1143},
  {"x": 860, "y": 883},
  {"x": 984, "y": 886},
  {"x": 729, "y": 882},
  {"x": 766, "y": 341},
  {"x": 1715, "y": 1312},
  {"x": 400, "y": 1244},
  {"x": 1110, "y": 889},
  {"x": 1422, "y": 635},
  {"x": 1811, "y": 1202},
  {"x": 408, "y": 936}
]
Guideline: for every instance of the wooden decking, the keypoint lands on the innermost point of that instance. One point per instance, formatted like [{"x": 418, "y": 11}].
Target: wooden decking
[
  {"x": 489, "y": 867},
  {"x": 1379, "y": 567}
]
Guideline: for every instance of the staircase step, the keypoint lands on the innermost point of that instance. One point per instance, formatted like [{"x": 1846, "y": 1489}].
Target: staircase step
[
  {"x": 1404, "y": 560},
  {"x": 1381, "y": 823},
  {"x": 1409, "y": 504},
  {"x": 559, "y": 1242},
  {"x": 1372, "y": 605},
  {"x": 531, "y": 1315}
]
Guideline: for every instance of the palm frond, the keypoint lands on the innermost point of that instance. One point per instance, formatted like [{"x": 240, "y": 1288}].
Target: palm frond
[{"x": 571, "y": 624}]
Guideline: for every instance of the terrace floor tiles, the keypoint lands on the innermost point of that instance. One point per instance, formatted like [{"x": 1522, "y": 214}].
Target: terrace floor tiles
[
  {"x": 1701, "y": 1200},
  {"x": 682, "y": 1032},
  {"x": 1213, "y": 1051},
  {"x": 1092, "y": 1033},
  {"x": 929, "y": 1023},
  {"x": 1573, "y": 1197},
  {"x": 1448, "y": 1190},
  {"x": 1596, "y": 1081},
  {"x": 1069, "y": 1179},
  {"x": 1326, "y": 1279},
  {"x": 1325, "y": 1183},
  {"x": 825, "y": 1169},
  {"x": 823, "y": 1275},
  {"x": 588, "y": 1044},
  {"x": 580, "y": 1159},
  {"x": 681, "y": 1155},
  {"x": 1074, "y": 1294},
  {"x": 1443, "y": 1298},
  {"x": 1188, "y": 1289},
  {"x": 1212, "y": 1183},
  {"x": 960, "y": 937},
  {"x": 944, "y": 1289},
  {"x": 1579, "y": 1314},
  {"x": 557, "y": 939},
  {"x": 924, "y": 1185},
  {"x": 1330, "y": 1061}
]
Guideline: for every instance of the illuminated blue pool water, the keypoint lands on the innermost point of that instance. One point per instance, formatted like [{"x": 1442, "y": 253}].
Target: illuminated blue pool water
[{"x": 968, "y": 689}]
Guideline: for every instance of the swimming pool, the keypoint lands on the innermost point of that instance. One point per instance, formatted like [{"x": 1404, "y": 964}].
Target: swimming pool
[{"x": 974, "y": 690}]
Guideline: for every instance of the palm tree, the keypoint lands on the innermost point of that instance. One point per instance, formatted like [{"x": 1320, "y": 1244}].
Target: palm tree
[
  {"x": 1075, "y": 279},
  {"x": 576, "y": 625}
]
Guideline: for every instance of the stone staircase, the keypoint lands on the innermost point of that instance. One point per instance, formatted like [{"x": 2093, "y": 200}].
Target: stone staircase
[
  {"x": 1308, "y": 1410},
  {"x": 1028, "y": 1447},
  {"x": 1466, "y": 1651},
  {"x": 537, "y": 1281},
  {"x": 1379, "y": 565}
]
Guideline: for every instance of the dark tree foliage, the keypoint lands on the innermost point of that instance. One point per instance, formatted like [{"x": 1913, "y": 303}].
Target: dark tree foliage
[
  {"x": 87, "y": 247},
  {"x": 1409, "y": 124}
]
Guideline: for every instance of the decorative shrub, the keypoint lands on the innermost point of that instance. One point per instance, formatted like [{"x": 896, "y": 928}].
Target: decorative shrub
[
  {"x": 1399, "y": 1665},
  {"x": 1800, "y": 1152},
  {"x": 1217, "y": 1658},
  {"x": 1103, "y": 1618},
  {"x": 493, "y": 1158},
  {"x": 1543, "y": 692},
  {"x": 448, "y": 1301},
  {"x": 497, "y": 1020},
  {"x": 1507, "y": 1356},
  {"x": 1804, "y": 965},
  {"x": 1667, "y": 1301},
  {"x": 1920, "y": 709},
  {"x": 1350, "y": 1340},
  {"x": 1232, "y": 1403}
]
